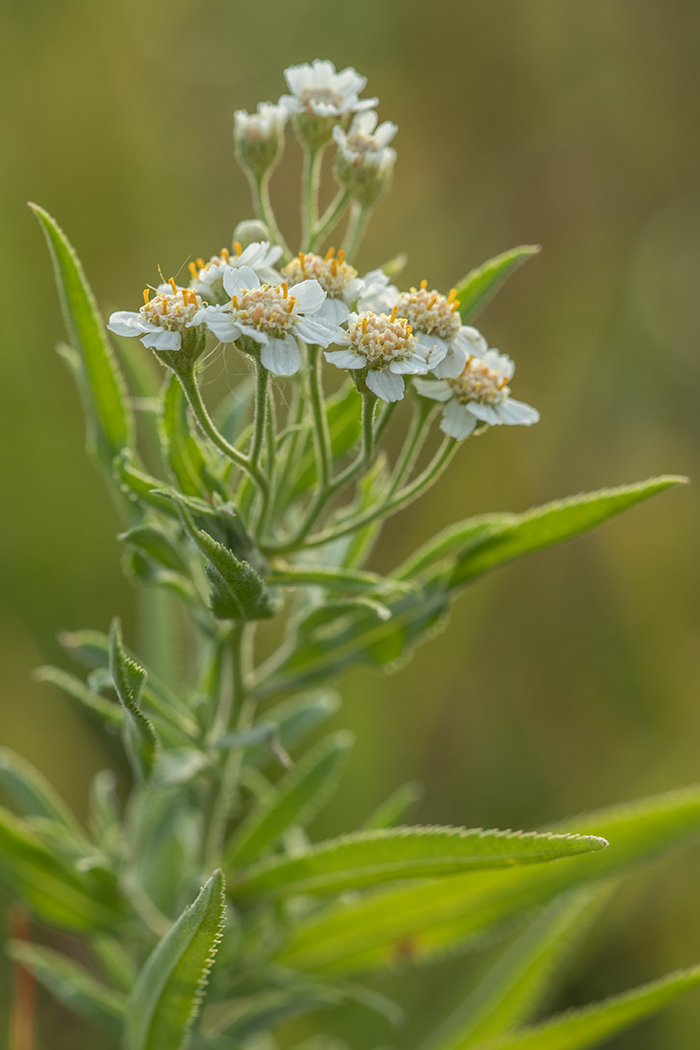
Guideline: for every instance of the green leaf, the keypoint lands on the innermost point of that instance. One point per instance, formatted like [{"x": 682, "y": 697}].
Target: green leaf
[
  {"x": 301, "y": 794},
  {"x": 294, "y": 719},
  {"x": 168, "y": 993},
  {"x": 514, "y": 987},
  {"x": 183, "y": 452},
  {"x": 237, "y": 591},
  {"x": 366, "y": 858},
  {"x": 593, "y": 1024},
  {"x": 344, "y": 425},
  {"x": 152, "y": 540},
  {"x": 479, "y": 285},
  {"x": 389, "y": 812},
  {"x": 552, "y": 523},
  {"x": 77, "y": 690},
  {"x": 105, "y": 812},
  {"x": 352, "y": 581},
  {"x": 140, "y": 487},
  {"x": 31, "y": 793},
  {"x": 456, "y": 539},
  {"x": 115, "y": 961},
  {"x": 242, "y": 1018},
  {"x": 71, "y": 984},
  {"x": 421, "y": 923},
  {"x": 141, "y": 738},
  {"x": 102, "y": 383},
  {"x": 52, "y": 889}
]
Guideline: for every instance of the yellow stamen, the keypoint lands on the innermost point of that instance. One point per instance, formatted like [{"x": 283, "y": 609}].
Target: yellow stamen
[
  {"x": 334, "y": 267},
  {"x": 302, "y": 258},
  {"x": 408, "y": 329},
  {"x": 237, "y": 247},
  {"x": 365, "y": 322},
  {"x": 424, "y": 284},
  {"x": 193, "y": 270},
  {"x": 329, "y": 254},
  {"x": 341, "y": 255},
  {"x": 201, "y": 264},
  {"x": 432, "y": 301},
  {"x": 171, "y": 282},
  {"x": 234, "y": 300},
  {"x": 503, "y": 382},
  {"x": 455, "y": 305},
  {"x": 284, "y": 290},
  {"x": 451, "y": 297},
  {"x": 394, "y": 312},
  {"x": 226, "y": 254},
  {"x": 146, "y": 294}
]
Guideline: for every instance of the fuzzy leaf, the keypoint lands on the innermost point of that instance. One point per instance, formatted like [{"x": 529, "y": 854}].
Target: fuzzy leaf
[
  {"x": 102, "y": 384},
  {"x": 77, "y": 690},
  {"x": 31, "y": 793},
  {"x": 301, "y": 794},
  {"x": 421, "y": 923},
  {"x": 366, "y": 858},
  {"x": 596, "y": 1023},
  {"x": 552, "y": 523},
  {"x": 294, "y": 719},
  {"x": 352, "y": 581},
  {"x": 168, "y": 993},
  {"x": 141, "y": 738},
  {"x": 183, "y": 452},
  {"x": 479, "y": 285},
  {"x": 511, "y": 991},
  {"x": 71, "y": 984},
  {"x": 156, "y": 543},
  {"x": 52, "y": 889}
]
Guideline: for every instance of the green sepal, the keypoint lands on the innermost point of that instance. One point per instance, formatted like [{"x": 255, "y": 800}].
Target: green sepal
[
  {"x": 141, "y": 739},
  {"x": 367, "y": 858},
  {"x": 168, "y": 993},
  {"x": 102, "y": 385},
  {"x": 71, "y": 985},
  {"x": 480, "y": 284}
]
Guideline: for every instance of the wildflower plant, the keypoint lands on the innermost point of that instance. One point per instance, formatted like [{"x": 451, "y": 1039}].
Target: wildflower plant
[{"x": 206, "y": 913}]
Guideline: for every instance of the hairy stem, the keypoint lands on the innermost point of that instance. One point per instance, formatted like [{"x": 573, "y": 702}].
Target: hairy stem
[
  {"x": 329, "y": 219},
  {"x": 260, "y": 190},
  {"x": 359, "y": 220},
  {"x": 311, "y": 177}
]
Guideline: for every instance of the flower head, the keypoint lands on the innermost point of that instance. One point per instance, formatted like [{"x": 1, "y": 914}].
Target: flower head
[
  {"x": 259, "y": 137},
  {"x": 437, "y": 323},
  {"x": 319, "y": 91},
  {"x": 365, "y": 161},
  {"x": 271, "y": 317},
  {"x": 208, "y": 277},
  {"x": 338, "y": 279},
  {"x": 480, "y": 393},
  {"x": 386, "y": 347},
  {"x": 161, "y": 321}
]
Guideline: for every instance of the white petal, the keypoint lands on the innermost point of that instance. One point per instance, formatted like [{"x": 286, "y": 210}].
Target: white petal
[
  {"x": 452, "y": 365},
  {"x": 238, "y": 278},
  {"x": 514, "y": 412},
  {"x": 385, "y": 133},
  {"x": 309, "y": 294},
  {"x": 290, "y": 103},
  {"x": 457, "y": 421},
  {"x": 254, "y": 333},
  {"x": 162, "y": 339},
  {"x": 385, "y": 384},
  {"x": 128, "y": 323},
  {"x": 334, "y": 310},
  {"x": 413, "y": 365},
  {"x": 486, "y": 413},
  {"x": 437, "y": 389},
  {"x": 221, "y": 324},
  {"x": 500, "y": 363},
  {"x": 353, "y": 289},
  {"x": 318, "y": 330},
  {"x": 345, "y": 359},
  {"x": 471, "y": 340},
  {"x": 281, "y": 356}
]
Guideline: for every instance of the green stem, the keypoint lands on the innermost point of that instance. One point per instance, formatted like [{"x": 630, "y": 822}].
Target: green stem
[
  {"x": 260, "y": 190},
  {"x": 261, "y": 412},
  {"x": 329, "y": 219},
  {"x": 189, "y": 385},
  {"x": 357, "y": 226},
  {"x": 318, "y": 407},
  {"x": 311, "y": 177},
  {"x": 295, "y": 417},
  {"x": 415, "y": 439}
]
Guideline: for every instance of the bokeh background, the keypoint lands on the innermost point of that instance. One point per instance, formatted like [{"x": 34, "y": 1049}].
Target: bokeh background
[{"x": 563, "y": 683}]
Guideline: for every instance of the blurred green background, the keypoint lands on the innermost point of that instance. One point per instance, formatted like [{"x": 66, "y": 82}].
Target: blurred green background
[{"x": 563, "y": 683}]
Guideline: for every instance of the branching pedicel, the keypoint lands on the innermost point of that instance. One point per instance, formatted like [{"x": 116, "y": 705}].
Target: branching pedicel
[{"x": 278, "y": 517}]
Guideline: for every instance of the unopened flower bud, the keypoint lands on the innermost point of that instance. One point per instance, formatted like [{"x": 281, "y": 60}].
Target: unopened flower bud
[
  {"x": 259, "y": 137},
  {"x": 250, "y": 230},
  {"x": 364, "y": 164}
]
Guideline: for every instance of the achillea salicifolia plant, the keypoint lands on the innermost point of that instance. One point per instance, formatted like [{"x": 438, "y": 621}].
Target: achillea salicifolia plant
[{"x": 205, "y": 912}]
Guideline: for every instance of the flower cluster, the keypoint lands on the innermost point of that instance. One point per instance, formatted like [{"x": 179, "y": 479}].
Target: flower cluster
[{"x": 272, "y": 305}]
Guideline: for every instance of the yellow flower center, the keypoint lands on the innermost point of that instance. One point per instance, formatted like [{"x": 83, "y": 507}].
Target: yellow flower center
[
  {"x": 198, "y": 265},
  {"x": 480, "y": 383},
  {"x": 270, "y": 309},
  {"x": 431, "y": 312},
  {"x": 381, "y": 339},
  {"x": 171, "y": 311},
  {"x": 331, "y": 272}
]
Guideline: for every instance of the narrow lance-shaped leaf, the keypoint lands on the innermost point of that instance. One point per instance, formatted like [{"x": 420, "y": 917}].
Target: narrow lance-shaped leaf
[
  {"x": 591, "y": 1025},
  {"x": 71, "y": 984},
  {"x": 479, "y": 285},
  {"x": 366, "y": 858},
  {"x": 77, "y": 690},
  {"x": 184, "y": 454},
  {"x": 353, "y": 581},
  {"x": 301, "y": 794},
  {"x": 552, "y": 523},
  {"x": 294, "y": 719},
  {"x": 167, "y": 995},
  {"x": 513, "y": 989},
  {"x": 141, "y": 738},
  {"x": 421, "y": 923},
  {"x": 31, "y": 792},
  {"x": 103, "y": 386},
  {"x": 390, "y": 812}
]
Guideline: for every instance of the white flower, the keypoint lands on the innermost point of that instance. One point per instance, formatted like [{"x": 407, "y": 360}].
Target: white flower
[
  {"x": 435, "y": 320},
  {"x": 267, "y": 123},
  {"x": 366, "y": 144},
  {"x": 272, "y": 317},
  {"x": 319, "y": 91},
  {"x": 479, "y": 394},
  {"x": 338, "y": 280},
  {"x": 387, "y": 348},
  {"x": 378, "y": 294},
  {"x": 160, "y": 321},
  {"x": 208, "y": 277}
]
